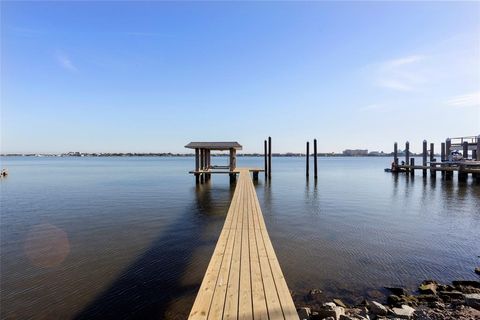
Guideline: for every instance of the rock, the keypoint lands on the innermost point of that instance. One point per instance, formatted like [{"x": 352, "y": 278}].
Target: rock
[
  {"x": 378, "y": 308},
  {"x": 397, "y": 291},
  {"x": 473, "y": 300},
  {"x": 428, "y": 287},
  {"x": 339, "y": 303},
  {"x": 304, "y": 313},
  {"x": 477, "y": 270},
  {"x": 428, "y": 298},
  {"x": 468, "y": 283},
  {"x": 314, "y": 293},
  {"x": 329, "y": 318},
  {"x": 405, "y": 312},
  {"x": 436, "y": 305},
  {"x": 451, "y": 295},
  {"x": 393, "y": 299},
  {"x": 345, "y": 317},
  {"x": 330, "y": 309}
]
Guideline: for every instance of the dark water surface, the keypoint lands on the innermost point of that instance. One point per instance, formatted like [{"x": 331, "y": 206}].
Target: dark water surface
[{"x": 130, "y": 238}]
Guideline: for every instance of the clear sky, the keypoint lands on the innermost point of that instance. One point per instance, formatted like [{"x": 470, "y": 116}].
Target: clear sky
[{"x": 153, "y": 76}]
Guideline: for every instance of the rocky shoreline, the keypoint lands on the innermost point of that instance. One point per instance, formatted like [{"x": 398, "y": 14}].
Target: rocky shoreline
[{"x": 432, "y": 301}]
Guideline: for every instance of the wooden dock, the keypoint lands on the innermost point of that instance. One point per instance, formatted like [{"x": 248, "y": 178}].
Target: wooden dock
[{"x": 243, "y": 279}]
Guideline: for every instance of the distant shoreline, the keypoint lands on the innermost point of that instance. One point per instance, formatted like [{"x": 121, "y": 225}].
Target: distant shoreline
[{"x": 132, "y": 154}]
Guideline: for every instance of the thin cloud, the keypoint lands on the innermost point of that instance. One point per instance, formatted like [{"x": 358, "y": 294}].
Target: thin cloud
[
  {"x": 401, "y": 74},
  {"x": 65, "y": 62},
  {"x": 465, "y": 100}
]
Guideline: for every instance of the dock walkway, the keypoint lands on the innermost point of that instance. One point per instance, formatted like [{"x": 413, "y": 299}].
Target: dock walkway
[{"x": 243, "y": 279}]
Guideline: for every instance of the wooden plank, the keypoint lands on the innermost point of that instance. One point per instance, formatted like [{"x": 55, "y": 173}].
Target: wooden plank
[
  {"x": 231, "y": 299},
  {"x": 258, "y": 293},
  {"x": 202, "y": 302},
  {"x": 218, "y": 300},
  {"x": 288, "y": 307},
  {"x": 245, "y": 295}
]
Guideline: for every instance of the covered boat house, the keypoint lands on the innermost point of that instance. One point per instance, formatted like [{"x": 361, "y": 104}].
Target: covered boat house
[{"x": 203, "y": 165}]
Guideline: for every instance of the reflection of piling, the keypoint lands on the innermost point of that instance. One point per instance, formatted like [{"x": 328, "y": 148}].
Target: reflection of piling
[
  {"x": 412, "y": 163},
  {"x": 315, "y": 172},
  {"x": 424, "y": 157},
  {"x": 307, "y": 156}
]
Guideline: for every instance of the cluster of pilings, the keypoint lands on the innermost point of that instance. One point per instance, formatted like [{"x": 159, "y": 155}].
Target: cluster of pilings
[
  {"x": 446, "y": 166},
  {"x": 315, "y": 163},
  {"x": 202, "y": 163},
  {"x": 268, "y": 157}
]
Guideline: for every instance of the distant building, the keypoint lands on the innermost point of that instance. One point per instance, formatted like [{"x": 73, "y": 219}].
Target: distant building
[{"x": 356, "y": 152}]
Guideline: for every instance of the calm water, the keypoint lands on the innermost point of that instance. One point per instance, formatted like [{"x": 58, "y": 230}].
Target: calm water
[{"x": 114, "y": 238}]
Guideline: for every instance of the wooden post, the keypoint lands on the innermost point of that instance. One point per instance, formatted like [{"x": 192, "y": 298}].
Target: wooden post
[
  {"x": 315, "y": 171},
  {"x": 448, "y": 146},
  {"x": 202, "y": 158},
  {"x": 478, "y": 149},
  {"x": 255, "y": 175},
  {"x": 269, "y": 157},
  {"x": 395, "y": 154},
  {"x": 233, "y": 159},
  {"x": 465, "y": 150},
  {"x": 202, "y": 164},
  {"x": 424, "y": 155},
  {"x": 433, "y": 173},
  {"x": 207, "y": 163},
  {"x": 412, "y": 164},
  {"x": 308, "y": 158},
  {"x": 197, "y": 165},
  {"x": 442, "y": 145},
  {"x": 265, "y": 156},
  {"x": 407, "y": 154}
]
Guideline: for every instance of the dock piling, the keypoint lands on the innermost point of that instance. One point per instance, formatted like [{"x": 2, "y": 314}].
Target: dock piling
[
  {"x": 265, "y": 153},
  {"x": 269, "y": 157},
  {"x": 315, "y": 171},
  {"x": 407, "y": 154},
  {"x": 197, "y": 165},
  {"x": 448, "y": 146},
  {"x": 395, "y": 154},
  {"x": 433, "y": 165},
  {"x": 307, "y": 156},
  {"x": 412, "y": 165},
  {"x": 424, "y": 157},
  {"x": 442, "y": 145}
]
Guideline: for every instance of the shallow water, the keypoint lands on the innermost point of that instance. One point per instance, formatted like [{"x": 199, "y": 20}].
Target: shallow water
[{"x": 131, "y": 238}]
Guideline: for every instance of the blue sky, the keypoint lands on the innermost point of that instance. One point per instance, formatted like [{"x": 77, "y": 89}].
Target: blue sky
[{"x": 152, "y": 76}]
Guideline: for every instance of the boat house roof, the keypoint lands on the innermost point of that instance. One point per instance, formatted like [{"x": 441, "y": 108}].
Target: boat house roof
[{"x": 215, "y": 145}]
